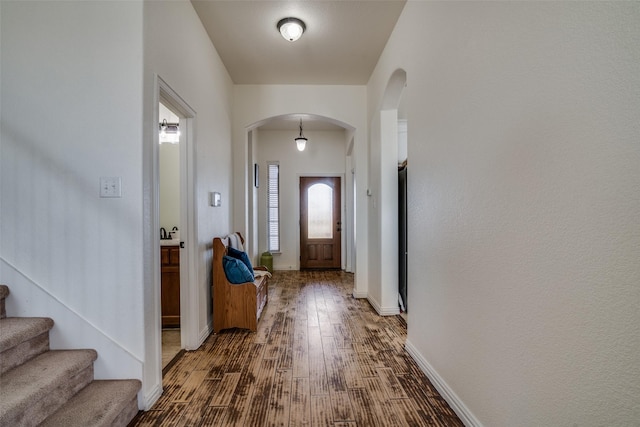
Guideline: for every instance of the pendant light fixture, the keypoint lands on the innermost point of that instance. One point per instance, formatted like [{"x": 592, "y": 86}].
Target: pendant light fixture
[
  {"x": 291, "y": 28},
  {"x": 301, "y": 141}
]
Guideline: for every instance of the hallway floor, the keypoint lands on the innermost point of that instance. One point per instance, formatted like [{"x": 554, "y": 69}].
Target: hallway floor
[
  {"x": 170, "y": 345},
  {"x": 319, "y": 358}
]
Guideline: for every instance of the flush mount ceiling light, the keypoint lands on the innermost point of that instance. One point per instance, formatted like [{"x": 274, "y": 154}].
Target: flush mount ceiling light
[
  {"x": 291, "y": 28},
  {"x": 169, "y": 132},
  {"x": 301, "y": 141}
]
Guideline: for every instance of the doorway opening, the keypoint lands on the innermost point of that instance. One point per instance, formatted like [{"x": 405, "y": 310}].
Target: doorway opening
[
  {"x": 174, "y": 216},
  {"x": 386, "y": 157},
  {"x": 169, "y": 214}
]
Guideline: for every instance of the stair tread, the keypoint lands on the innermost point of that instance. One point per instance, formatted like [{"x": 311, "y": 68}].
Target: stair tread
[
  {"x": 35, "y": 379},
  {"x": 95, "y": 405},
  {"x": 16, "y": 330}
]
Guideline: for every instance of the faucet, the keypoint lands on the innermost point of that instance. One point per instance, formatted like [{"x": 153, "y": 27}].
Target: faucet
[{"x": 163, "y": 234}]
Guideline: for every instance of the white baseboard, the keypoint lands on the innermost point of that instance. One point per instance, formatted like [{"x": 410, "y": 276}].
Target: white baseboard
[
  {"x": 151, "y": 398},
  {"x": 443, "y": 388},
  {"x": 374, "y": 304},
  {"x": 360, "y": 294},
  {"x": 205, "y": 332},
  {"x": 383, "y": 311},
  {"x": 72, "y": 329},
  {"x": 389, "y": 311},
  {"x": 285, "y": 268}
]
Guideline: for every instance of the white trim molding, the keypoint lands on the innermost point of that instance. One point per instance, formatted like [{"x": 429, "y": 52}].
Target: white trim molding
[
  {"x": 443, "y": 388},
  {"x": 151, "y": 398},
  {"x": 360, "y": 294},
  {"x": 383, "y": 311},
  {"x": 62, "y": 305},
  {"x": 204, "y": 334}
]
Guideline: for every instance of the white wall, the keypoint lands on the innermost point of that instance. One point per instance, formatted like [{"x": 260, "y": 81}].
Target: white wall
[
  {"x": 324, "y": 155},
  {"x": 523, "y": 206},
  {"x": 71, "y": 113},
  {"x": 186, "y": 60},
  {"x": 79, "y": 102},
  {"x": 346, "y": 104}
]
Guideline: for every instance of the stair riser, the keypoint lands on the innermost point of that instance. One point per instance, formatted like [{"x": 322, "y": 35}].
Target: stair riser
[
  {"x": 103, "y": 403},
  {"x": 27, "y": 350},
  {"x": 37, "y": 412},
  {"x": 4, "y": 292},
  {"x": 127, "y": 414}
]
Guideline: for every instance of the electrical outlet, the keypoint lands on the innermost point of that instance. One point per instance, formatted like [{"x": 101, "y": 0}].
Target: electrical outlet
[{"x": 110, "y": 186}]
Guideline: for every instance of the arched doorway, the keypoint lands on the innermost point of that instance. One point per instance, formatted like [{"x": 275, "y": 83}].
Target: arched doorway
[
  {"x": 328, "y": 153},
  {"x": 384, "y": 206}
]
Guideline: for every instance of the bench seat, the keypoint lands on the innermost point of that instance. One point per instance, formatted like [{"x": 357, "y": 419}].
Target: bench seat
[{"x": 236, "y": 305}]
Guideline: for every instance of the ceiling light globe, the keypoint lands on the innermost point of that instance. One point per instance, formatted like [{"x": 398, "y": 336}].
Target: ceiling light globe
[
  {"x": 291, "y": 31},
  {"x": 291, "y": 28}
]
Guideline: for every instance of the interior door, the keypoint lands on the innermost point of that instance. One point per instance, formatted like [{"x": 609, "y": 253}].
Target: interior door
[{"x": 320, "y": 223}]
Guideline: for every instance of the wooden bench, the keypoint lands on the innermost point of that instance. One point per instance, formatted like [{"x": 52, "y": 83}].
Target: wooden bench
[{"x": 236, "y": 305}]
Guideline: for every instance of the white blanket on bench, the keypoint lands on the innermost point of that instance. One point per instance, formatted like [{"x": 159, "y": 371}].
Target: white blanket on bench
[
  {"x": 235, "y": 242},
  {"x": 260, "y": 273}
]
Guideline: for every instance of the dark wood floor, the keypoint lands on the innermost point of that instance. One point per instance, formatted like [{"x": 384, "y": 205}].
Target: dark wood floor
[{"x": 319, "y": 358}]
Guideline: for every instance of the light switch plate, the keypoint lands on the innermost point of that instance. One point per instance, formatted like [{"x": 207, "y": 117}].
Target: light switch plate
[
  {"x": 110, "y": 186},
  {"x": 215, "y": 199}
]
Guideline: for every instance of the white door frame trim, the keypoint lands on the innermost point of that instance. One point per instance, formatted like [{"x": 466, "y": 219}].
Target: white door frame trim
[
  {"x": 189, "y": 309},
  {"x": 188, "y": 216}
]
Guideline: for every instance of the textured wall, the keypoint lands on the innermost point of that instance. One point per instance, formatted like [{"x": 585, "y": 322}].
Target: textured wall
[
  {"x": 524, "y": 170},
  {"x": 77, "y": 104},
  {"x": 69, "y": 71}
]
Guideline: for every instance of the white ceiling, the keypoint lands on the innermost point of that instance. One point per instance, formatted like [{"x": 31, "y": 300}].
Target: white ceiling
[{"x": 341, "y": 45}]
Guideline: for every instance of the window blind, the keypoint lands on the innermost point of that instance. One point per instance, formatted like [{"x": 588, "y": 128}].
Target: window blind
[{"x": 273, "y": 206}]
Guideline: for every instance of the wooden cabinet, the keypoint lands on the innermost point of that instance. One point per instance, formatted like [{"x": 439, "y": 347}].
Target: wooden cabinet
[{"x": 170, "y": 292}]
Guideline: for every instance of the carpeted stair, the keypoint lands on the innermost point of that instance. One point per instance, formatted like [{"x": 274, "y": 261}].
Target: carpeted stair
[{"x": 55, "y": 388}]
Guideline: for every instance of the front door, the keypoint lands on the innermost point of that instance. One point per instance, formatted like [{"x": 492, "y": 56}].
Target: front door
[{"x": 320, "y": 222}]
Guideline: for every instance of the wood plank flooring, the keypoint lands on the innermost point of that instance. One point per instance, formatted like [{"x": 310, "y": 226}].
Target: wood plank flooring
[{"x": 319, "y": 358}]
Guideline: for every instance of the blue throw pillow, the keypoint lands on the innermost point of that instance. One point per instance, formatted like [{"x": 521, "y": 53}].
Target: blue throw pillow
[
  {"x": 236, "y": 271},
  {"x": 242, "y": 256}
]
